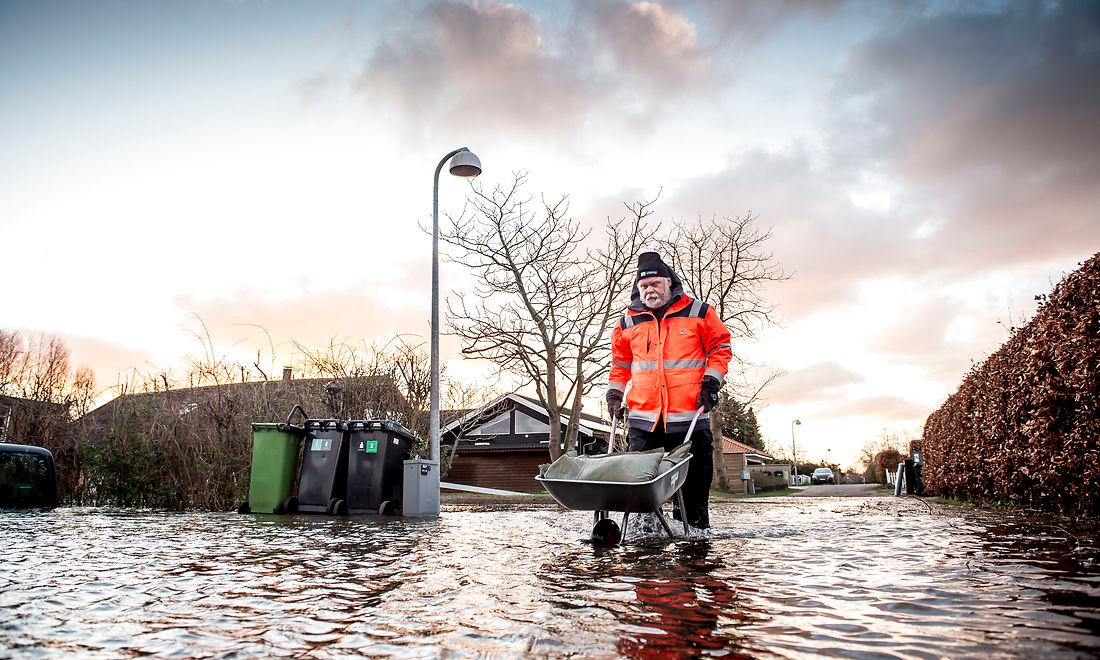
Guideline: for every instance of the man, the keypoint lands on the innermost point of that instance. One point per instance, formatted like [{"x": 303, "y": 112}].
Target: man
[{"x": 674, "y": 352}]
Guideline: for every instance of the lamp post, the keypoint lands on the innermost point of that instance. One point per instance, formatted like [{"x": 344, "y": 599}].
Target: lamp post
[
  {"x": 464, "y": 164},
  {"x": 794, "y": 452}
]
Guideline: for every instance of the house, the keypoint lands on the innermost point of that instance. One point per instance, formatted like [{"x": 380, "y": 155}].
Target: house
[
  {"x": 502, "y": 444},
  {"x": 760, "y": 466},
  {"x": 26, "y": 421},
  {"x": 269, "y": 400}
]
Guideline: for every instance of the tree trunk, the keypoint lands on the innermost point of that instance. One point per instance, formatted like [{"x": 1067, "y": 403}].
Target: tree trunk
[
  {"x": 553, "y": 410},
  {"x": 555, "y": 435},
  {"x": 572, "y": 431},
  {"x": 719, "y": 459}
]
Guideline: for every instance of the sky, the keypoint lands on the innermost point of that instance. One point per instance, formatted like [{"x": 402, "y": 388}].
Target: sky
[{"x": 261, "y": 171}]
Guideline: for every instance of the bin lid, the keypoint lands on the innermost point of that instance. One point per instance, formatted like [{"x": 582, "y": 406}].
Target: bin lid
[
  {"x": 277, "y": 426},
  {"x": 326, "y": 424},
  {"x": 387, "y": 425}
]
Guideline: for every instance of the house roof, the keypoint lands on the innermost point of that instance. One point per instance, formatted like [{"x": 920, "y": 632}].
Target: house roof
[
  {"x": 589, "y": 423},
  {"x": 731, "y": 446},
  {"x": 8, "y": 402},
  {"x": 592, "y": 420},
  {"x": 303, "y": 390}
]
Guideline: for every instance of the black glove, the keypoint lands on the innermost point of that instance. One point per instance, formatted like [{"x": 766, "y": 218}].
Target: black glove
[
  {"x": 614, "y": 403},
  {"x": 708, "y": 393}
]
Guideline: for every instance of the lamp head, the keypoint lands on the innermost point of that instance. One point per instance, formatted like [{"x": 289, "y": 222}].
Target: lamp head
[{"x": 465, "y": 164}]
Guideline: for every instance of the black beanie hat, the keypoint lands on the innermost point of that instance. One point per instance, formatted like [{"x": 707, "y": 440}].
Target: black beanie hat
[{"x": 650, "y": 265}]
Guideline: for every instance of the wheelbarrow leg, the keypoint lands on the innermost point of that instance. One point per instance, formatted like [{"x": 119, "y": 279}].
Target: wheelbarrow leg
[
  {"x": 683, "y": 511},
  {"x": 626, "y": 519},
  {"x": 664, "y": 523}
]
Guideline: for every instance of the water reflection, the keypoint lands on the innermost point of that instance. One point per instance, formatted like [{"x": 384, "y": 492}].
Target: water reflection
[
  {"x": 786, "y": 578},
  {"x": 663, "y": 600}
]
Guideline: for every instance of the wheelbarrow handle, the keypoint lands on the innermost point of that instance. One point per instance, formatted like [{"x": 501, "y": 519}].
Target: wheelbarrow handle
[
  {"x": 615, "y": 423},
  {"x": 691, "y": 428}
]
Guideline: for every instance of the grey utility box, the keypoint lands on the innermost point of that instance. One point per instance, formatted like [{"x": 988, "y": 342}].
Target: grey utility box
[{"x": 420, "y": 488}]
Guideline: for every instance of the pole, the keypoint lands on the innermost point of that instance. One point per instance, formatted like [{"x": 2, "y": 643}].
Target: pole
[
  {"x": 794, "y": 452},
  {"x": 433, "y": 411}
]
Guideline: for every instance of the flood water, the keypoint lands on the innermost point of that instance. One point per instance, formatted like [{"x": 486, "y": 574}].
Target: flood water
[{"x": 780, "y": 577}]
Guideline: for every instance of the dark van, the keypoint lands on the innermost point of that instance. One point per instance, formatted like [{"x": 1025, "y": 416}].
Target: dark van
[{"x": 28, "y": 478}]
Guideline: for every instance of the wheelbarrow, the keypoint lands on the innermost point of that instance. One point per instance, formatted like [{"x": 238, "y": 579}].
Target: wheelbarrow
[{"x": 604, "y": 497}]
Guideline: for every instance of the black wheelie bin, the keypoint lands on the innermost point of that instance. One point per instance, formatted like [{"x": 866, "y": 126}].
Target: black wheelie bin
[
  {"x": 377, "y": 450},
  {"x": 324, "y": 476}
]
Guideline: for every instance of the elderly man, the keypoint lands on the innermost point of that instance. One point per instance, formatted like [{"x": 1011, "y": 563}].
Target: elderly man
[{"x": 674, "y": 351}]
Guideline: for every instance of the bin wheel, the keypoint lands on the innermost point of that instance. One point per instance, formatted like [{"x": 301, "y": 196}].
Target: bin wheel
[
  {"x": 337, "y": 507},
  {"x": 385, "y": 508},
  {"x": 606, "y": 533},
  {"x": 244, "y": 507},
  {"x": 289, "y": 505}
]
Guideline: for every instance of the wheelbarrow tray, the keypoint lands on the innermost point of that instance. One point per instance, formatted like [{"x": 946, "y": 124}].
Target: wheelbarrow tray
[{"x": 629, "y": 497}]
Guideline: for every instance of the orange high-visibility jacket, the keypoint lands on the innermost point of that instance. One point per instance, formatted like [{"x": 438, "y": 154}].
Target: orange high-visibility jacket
[{"x": 665, "y": 361}]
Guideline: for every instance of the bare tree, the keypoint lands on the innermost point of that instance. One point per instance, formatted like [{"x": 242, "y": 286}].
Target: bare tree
[
  {"x": 461, "y": 397},
  {"x": 11, "y": 351},
  {"x": 545, "y": 303},
  {"x": 608, "y": 284},
  {"x": 725, "y": 262}
]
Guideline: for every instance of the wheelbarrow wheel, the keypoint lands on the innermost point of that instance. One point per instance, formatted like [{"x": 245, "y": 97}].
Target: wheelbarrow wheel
[{"x": 606, "y": 533}]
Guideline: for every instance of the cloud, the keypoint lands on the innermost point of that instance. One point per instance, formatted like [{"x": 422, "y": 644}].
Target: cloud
[
  {"x": 110, "y": 360},
  {"x": 982, "y": 127},
  {"x": 753, "y": 21},
  {"x": 819, "y": 236},
  {"x": 648, "y": 45},
  {"x": 457, "y": 60},
  {"x": 992, "y": 118},
  {"x": 1018, "y": 89},
  {"x": 811, "y": 383},
  {"x": 619, "y": 64},
  {"x": 889, "y": 408},
  {"x": 312, "y": 319}
]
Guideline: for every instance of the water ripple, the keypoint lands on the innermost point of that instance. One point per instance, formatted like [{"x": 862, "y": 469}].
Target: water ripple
[{"x": 872, "y": 578}]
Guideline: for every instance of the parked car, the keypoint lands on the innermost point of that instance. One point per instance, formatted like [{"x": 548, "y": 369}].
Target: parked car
[
  {"x": 28, "y": 477},
  {"x": 822, "y": 476}
]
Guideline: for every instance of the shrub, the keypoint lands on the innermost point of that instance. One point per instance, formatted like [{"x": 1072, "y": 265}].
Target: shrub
[{"x": 1023, "y": 425}]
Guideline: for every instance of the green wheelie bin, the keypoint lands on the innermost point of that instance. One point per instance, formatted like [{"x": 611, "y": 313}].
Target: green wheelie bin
[{"x": 275, "y": 449}]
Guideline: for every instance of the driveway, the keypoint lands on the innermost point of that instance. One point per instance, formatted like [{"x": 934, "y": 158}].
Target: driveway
[{"x": 840, "y": 490}]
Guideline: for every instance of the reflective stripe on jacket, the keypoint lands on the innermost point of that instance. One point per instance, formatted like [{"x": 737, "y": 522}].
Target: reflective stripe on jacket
[{"x": 665, "y": 361}]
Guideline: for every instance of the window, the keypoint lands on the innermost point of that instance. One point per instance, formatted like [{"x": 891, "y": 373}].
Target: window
[
  {"x": 25, "y": 480},
  {"x": 527, "y": 424},
  {"x": 501, "y": 424}
]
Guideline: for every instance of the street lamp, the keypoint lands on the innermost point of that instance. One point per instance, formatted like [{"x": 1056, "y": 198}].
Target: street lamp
[
  {"x": 794, "y": 453},
  {"x": 464, "y": 164}
]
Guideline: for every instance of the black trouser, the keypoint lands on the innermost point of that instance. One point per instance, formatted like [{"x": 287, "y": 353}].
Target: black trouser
[{"x": 696, "y": 487}]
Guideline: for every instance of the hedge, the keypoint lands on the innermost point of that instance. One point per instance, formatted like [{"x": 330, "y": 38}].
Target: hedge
[{"x": 1023, "y": 425}]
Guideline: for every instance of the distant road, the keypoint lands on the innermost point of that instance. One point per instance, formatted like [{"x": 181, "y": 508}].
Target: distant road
[{"x": 840, "y": 490}]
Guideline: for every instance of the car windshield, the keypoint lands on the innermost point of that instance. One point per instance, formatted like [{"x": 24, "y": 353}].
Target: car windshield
[{"x": 823, "y": 471}]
